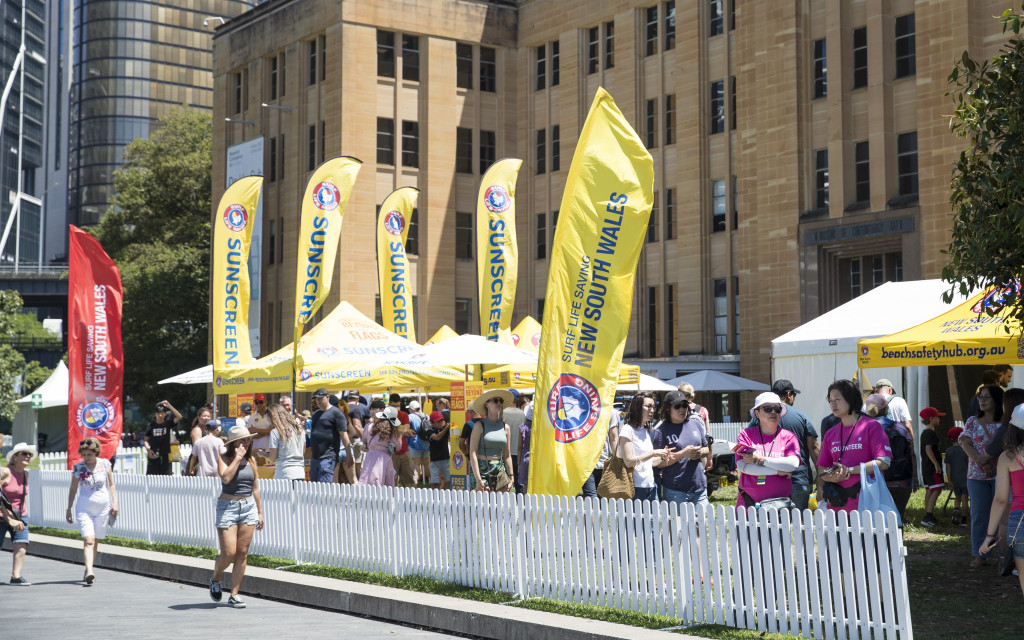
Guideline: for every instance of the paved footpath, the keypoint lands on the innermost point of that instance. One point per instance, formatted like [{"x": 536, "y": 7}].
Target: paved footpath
[{"x": 124, "y": 605}]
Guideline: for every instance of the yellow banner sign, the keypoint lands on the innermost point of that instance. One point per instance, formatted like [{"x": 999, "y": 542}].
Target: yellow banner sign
[
  {"x": 497, "y": 250},
  {"x": 232, "y": 233},
  {"x": 393, "y": 263},
  {"x": 323, "y": 207},
  {"x": 605, "y": 208}
]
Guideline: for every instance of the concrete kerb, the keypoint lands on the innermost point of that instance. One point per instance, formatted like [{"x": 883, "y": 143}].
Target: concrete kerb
[{"x": 442, "y": 613}]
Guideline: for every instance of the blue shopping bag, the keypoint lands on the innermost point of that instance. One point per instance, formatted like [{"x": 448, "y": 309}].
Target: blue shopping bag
[{"x": 874, "y": 495}]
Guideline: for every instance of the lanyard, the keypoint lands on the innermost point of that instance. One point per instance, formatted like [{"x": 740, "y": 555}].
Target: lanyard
[
  {"x": 848, "y": 438},
  {"x": 768, "y": 453}
]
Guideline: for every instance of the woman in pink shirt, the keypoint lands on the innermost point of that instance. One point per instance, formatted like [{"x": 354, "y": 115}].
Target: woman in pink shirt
[
  {"x": 857, "y": 439},
  {"x": 769, "y": 455},
  {"x": 1009, "y": 475}
]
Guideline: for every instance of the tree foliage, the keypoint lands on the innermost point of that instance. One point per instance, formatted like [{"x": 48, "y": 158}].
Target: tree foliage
[
  {"x": 12, "y": 363},
  {"x": 157, "y": 230},
  {"x": 987, "y": 187}
]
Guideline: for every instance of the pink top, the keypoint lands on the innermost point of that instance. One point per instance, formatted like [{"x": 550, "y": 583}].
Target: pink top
[
  {"x": 780, "y": 445},
  {"x": 1017, "y": 485},
  {"x": 15, "y": 490},
  {"x": 863, "y": 442}
]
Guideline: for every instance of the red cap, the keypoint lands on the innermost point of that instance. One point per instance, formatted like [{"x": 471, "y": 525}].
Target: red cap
[
  {"x": 930, "y": 412},
  {"x": 953, "y": 434},
  {"x": 436, "y": 416},
  {"x": 261, "y": 396}
]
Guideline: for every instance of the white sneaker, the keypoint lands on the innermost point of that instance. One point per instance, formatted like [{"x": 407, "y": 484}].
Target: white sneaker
[{"x": 236, "y": 602}]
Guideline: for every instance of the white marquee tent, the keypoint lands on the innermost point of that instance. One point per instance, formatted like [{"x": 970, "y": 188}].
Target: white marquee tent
[{"x": 825, "y": 349}]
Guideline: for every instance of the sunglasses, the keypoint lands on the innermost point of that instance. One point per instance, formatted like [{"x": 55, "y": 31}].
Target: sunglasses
[
  {"x": 681, "y": 405},
  {"x": 498, "y": 400},
  {"x": 259, "y": 402},
  {"x": 771, "y": 408},
  {"x": 648, "y": 407}
]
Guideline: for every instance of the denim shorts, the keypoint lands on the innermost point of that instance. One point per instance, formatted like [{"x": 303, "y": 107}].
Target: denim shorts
[
  {"x": 440, "y": 469},
  {"x": 420, "y": 454},
  {"x": 17, "y": 537},
  {"x": 1015, "y": 526},
  {"x": 232, "y": 512}
]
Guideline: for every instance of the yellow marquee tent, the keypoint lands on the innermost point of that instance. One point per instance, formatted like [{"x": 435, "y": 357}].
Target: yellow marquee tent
[
  {"x": 965, "y": 334},
  {"x": 442, "y": 334}
]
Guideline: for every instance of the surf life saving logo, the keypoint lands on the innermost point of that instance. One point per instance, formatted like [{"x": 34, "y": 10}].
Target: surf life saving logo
[
  {"x": 496, "y": 199},
  {"x": 573, "y": 407},
  {"x": 95, "y": 415},
  {"x": 236, "y": 217},
  {"x": 864, "y": 351},
  {"x": 394, "y": 222},
  {"x": 535, "y": 339},
  {"x": 328, "y": 352},
  {"x": 516, "y": 339},
  {"x": 457, "y": 459},
  {"x": 326, "y": 196},
  {"x": 998, "y": 297}
]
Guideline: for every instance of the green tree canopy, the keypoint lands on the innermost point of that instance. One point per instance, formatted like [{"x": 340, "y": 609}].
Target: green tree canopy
[
  {"x": 987, "y": 188},
  {"x": 12, "y": 363},
  {"x": 157, "y": 230}
]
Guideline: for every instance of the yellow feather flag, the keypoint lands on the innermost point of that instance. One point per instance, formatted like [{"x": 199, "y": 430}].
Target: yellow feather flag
[
  {"x": 497, "y": 251},
  {"x": 607, "y": 202},
  {"x": 393, "y": 263},
  {"x": 232, "y": 233},
  {"x": 323, "y": 207}
]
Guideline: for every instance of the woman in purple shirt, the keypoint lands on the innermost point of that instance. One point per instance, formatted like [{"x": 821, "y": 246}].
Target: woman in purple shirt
[{"x": 769, "y": 455}]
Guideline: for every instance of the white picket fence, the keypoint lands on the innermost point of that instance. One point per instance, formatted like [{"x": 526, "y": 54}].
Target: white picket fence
[
  {"x": 129, "y": 460},
  {"x": 814, "y": 575}
]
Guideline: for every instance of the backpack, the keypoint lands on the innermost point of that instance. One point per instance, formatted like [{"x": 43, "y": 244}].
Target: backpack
[{"x": 901, "y": 467}]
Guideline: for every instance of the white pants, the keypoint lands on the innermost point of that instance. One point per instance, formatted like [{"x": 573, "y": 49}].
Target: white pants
[{"x": 93, "y": 526}]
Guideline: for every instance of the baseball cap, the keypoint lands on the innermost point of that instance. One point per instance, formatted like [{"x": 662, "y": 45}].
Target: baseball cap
[
  {"x": 784, "y": 386},
  {"x": 436, "y": 416},
  {"x": 672, "y": 398},
  {"x": 246, "y": 408},
  {"x": 354, "y": 393},
  {"x": 321, "y": 393},
  {"x": 930, "y": 412},
  {"x": 212, "y": 424},
  {"x": 954, "y": 433},
  {"x": 414, "y": 405},
  {"x": 261, "y": 397},
  {"x": 884, "y": 382}
]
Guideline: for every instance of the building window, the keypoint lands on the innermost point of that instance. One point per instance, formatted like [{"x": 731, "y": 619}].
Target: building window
[
  {"x": 273, "y": 77},
  {"x": 651, "y": 124},
  {"x": 464, "y": 66},
  {"x": 735, "y": 203},
  {"x": 488, "y": 148},
  {"x": 863, "y": 171},
  {"x": 238, "y": 92},
  {"x": 273, "y": 160},
  {"x": 540, "y": 309},
  {"x": 593, "y": 49},
  {"x": 717, "y": 107},
  {"x": 554, "y": 63},
  {"x": 312, "y": 62},
  {"x": 385, "y": 54},
  {"x": 609, "y": 45},
  {"x": 488, "y": 70},
  {"x": 856, "y": 285},
  {"x": 554, "y": 222},
  {"x": 736, "y": 311},
  {"x": 715, "y": 14},
  {"x": 323, "y": 140},
  {"x": 732, "y": 102},
  {"x": 542, "y": 236},
  {"x": 670, "y": 320},
  {"x": 412, "y": 239},
  {"x": 821, "y": 178},
  {"x": 820, "y": 69},
  {"x": 670, "y": 118},
  {"x": 410, "y": 58},
  {"x": 906, "y": 64},
  {"x": 670, "y": 25},
  {"x": 385, "y": 141},
  {"x": 280, "y": 240},
  {"x": 311, "y": 149},
  {"x": 652, "y": 31},
  {"x": 906, "y": 162},
  {"x": 410, "y": 144},
  {"x": 272, "y": 244},
  {"x": 280, "y": 156},
  {"x": 463, "y": 315},
  {"x": 463, "y": 235},
  {"x": 463, "y": 150},
  {"x": 652, "y": 321},
  {"x": 732, "y": 14},
  {"x": 721, "y": 304},
  {"x": 670, "y": 214},
  {"x": 323, "y": 57},
  {"x": 860, "y": 57},
  {"x": 541, "y": 64},
  {"x": 556, "y": 159},
  {"x": 652, "y": 221},
  {"x": 541, "y": 151},
  {"x": 717, "y": 205}
]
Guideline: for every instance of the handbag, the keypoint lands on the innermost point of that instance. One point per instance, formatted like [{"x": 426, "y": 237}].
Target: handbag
[
  {"x": 875, "y": 496},
  {"x": 617, "y": 480},
  {"x": 771, "y": 503},
  {"x": 497, "y": 477}
]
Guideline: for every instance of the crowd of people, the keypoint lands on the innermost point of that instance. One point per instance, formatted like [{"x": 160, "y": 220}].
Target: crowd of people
[{"x": 664, "y": 446}]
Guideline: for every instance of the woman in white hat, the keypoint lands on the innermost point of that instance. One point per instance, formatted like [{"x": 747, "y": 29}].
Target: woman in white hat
[
  {"x": 14, "y": 487},
  {"x": 767, "y": 456},
  {"x": 382, "y": 439},
  {"x": 92, "y": 479},
  {"x": 490, "y": 447},
  {"x": 239, "y": 512}
]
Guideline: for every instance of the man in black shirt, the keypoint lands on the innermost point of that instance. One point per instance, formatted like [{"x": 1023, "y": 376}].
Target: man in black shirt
[
  {"x": 328, "y": 434},
  {"x": 158, "y": 440}
]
